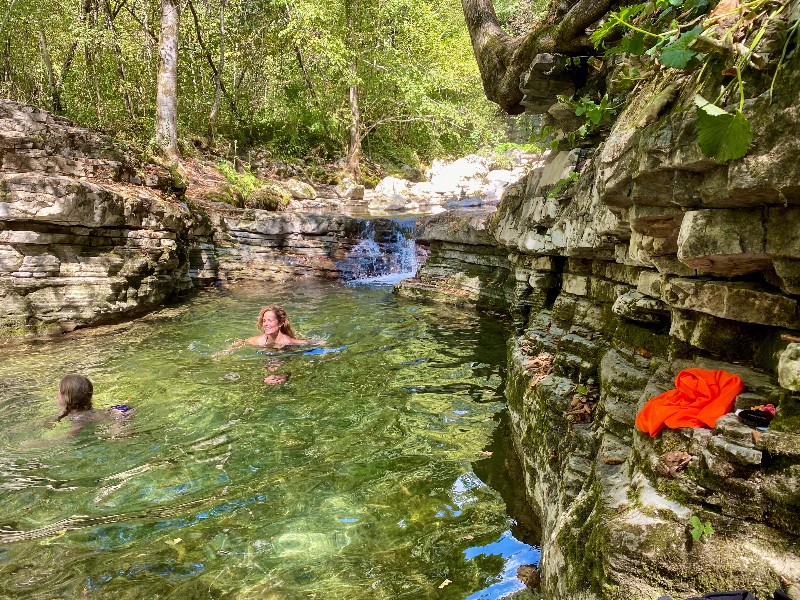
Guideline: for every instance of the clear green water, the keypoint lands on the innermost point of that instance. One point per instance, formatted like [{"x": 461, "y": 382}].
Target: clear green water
[{"x": 356, "y": 479}]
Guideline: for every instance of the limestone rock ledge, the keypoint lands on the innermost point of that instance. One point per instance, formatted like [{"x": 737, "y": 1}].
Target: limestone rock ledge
[
  {"x": 624, "y": 264},
  {"x": 87, "y": 232}
]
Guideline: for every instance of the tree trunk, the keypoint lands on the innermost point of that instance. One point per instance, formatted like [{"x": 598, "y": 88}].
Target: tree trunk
[
  {"x": 217, "y": 71},
  {"x": 353, "y": 161},
  {"x": 212, "y": 116},
  {"x": 126, "y": 93},
  {"x": 8, "y": 13},
  {"x": 55, "y": 93},
  {"x": 167, "y": 92},
  {"x": 353, "y": 164},
  {"x": 503, "y": 59}
]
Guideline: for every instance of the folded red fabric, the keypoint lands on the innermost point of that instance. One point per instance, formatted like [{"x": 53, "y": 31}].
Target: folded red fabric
[{"x": 700, "y": 398}]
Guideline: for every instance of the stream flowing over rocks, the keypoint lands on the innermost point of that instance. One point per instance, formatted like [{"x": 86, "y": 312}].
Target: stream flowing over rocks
[{"x": 652, "y": 259}]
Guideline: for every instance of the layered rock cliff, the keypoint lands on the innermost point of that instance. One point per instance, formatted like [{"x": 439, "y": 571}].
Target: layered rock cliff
[{"x": 625, "y": 263}]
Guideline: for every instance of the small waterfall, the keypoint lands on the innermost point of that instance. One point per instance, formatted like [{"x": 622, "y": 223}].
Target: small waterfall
[{"x": 385, "y": 253}]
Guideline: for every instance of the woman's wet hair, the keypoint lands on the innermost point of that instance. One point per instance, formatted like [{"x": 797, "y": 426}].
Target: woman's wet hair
[
  {"x": 76, "y": 392},
  {"x": 283, "y": 320}
]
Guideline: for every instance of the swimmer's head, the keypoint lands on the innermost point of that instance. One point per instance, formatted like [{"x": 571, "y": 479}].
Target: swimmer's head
[
  {"x": 74, "y": 393},
  {"x": 279, "y": 314}
]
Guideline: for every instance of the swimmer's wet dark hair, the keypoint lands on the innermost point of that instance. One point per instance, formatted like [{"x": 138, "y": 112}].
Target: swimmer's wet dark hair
[
  {"x": 76, "y": 390},
  {"x": 283, "y": 320}
]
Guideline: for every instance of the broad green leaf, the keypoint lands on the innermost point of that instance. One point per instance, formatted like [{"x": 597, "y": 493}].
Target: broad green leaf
[
  {"x": 677, "y": 55},
  {"x": 635, "y": 44},
  {"x": 676, "y": 58},
  {"x": 721, "y": 135},
  {"x": 708, "y": 107}
]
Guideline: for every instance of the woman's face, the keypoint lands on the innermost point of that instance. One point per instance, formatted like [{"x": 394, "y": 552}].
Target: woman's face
[
  {"x": 270, "y": 323},
  {"x": 62, "y": 403}
]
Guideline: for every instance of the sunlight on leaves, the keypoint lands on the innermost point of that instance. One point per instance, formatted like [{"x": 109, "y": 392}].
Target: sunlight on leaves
[{"x": 721, "y": 135}]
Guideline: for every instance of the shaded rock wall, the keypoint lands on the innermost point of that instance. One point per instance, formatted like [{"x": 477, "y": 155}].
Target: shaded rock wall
[{"x": 653, "y": 259}]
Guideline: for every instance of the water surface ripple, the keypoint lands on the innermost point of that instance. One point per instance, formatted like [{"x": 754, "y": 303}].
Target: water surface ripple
[{"x": 353, "y": 480}]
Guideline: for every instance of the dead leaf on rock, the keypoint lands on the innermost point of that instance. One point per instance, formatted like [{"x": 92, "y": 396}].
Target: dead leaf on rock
[
  {"x": 672, "y": 463},
  {"x": 539, "y": 367},
  {"x": 582, "y": 406}
]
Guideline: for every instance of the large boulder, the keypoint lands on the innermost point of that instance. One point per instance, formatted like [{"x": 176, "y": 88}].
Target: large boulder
[{"x": 300, "y": 190}]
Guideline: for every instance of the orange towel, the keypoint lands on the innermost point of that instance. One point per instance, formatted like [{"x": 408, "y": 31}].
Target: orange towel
[{"x": 700, "y": 398}]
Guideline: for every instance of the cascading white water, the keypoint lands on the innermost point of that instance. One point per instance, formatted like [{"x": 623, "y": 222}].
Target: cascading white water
[{"x": 386, "y": 253}]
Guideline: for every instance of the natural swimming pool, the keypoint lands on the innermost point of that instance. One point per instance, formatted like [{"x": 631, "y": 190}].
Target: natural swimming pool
[{"x": 356, "y": 479}]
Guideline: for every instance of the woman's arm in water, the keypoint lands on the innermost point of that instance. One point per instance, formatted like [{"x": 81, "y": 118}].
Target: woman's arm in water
[{"x": 234, "y": 346}]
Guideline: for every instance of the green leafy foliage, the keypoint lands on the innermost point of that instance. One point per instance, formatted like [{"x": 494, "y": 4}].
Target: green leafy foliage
[
  {"x": 559, "y": 188},
  {"x": 244, "y": 181},
  {"x": 677, "y": 54},
  {"x": 660, "y": 29},
  {"x": 531, "y": 148},
  {"x": 721, "y": 135},
  {"x": 285, "y": 78},
  {"x": 595, "y": 111},
  {"x": 699, "y": 529},
  {"x": 615, "y": 20}
]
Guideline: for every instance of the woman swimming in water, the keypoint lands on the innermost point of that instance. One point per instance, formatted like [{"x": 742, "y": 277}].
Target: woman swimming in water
[
  {"x": 74, "y": 395},
  {"x": 276, "y": 330}
]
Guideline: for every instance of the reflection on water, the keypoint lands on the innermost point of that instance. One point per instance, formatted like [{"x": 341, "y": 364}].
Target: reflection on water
[{"x": 353, "y": 480}]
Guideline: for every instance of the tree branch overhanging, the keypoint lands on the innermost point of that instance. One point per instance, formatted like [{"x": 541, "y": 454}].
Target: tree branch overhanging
[{"x": 503, "y": 59}]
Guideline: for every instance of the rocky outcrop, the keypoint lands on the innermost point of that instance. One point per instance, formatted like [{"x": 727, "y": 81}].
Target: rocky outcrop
[
  {"x": 469, "y": 181},
  {"x": 87, "y": 232},
  {"x": 624, "y": 264}
]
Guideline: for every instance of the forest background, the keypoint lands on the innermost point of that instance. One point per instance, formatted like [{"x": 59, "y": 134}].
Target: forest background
[{"x": 394, "y": 81}]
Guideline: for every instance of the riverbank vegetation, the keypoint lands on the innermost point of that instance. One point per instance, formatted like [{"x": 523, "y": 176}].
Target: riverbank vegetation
[{"x": 393, "y": 81}]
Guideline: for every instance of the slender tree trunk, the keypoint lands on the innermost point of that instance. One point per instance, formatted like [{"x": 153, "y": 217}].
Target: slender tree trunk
[
  {"x": 91, "y": 77},
  {"x": 214, "y": 69},
  {"x": 92, "y": 81},
  {"x": 126, "y": 93},
  {"x": 212, "y": 116},
  {"x": 7, "y": 65},
  {"x": 167, "y": 92},
  {"x": 353, "y": 162},
  {"x": 8, "y": 13},
  {"x": 55, "y": 96}
]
